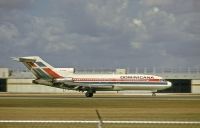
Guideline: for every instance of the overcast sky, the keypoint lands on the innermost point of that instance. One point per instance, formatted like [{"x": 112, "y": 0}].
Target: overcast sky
[{"x": 101, "y": 33}]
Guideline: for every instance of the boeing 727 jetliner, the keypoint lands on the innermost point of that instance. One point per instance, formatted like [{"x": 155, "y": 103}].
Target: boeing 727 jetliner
[{"x": 64, "y": 78}]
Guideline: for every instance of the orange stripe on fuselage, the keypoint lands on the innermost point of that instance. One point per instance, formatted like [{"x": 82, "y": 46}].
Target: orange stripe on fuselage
[{"x": 52, "y": 73}]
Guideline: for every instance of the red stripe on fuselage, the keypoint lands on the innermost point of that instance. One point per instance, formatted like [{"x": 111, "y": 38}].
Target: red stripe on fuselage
[
  {"x": 52, "y": 73},
  {"x": 113, "y": 80},
  {"x": 154, "y": 80}
]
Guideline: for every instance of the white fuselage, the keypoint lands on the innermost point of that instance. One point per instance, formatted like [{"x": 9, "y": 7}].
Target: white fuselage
[{"x": 118, "y": 82}]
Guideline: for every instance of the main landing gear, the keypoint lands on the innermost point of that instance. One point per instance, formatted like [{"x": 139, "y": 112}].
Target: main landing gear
[{"x": 89, "y": 94}]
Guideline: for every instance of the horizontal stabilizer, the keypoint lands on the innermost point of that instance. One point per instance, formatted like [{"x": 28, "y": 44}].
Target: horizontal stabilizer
[
  {"x": 25, "y": 59},
  {"x": 15, "y": 58}
]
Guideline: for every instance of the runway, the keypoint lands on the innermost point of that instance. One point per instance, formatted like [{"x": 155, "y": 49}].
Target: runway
[
  {"x": 160, "y": 96},
  {"x": 165, "y": 108}
]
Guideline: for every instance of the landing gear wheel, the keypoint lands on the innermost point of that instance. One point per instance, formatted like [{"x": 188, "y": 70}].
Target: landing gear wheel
[
  {"x": 88, "y": 94},
  {"x": 153, "y": 93}
]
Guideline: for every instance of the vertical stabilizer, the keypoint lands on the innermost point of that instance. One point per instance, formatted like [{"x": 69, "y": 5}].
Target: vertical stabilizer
[{"x": 40, "y": 68}]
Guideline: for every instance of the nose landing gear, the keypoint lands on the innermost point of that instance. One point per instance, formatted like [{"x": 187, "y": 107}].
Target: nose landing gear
[{"x": 153, "y": 93}]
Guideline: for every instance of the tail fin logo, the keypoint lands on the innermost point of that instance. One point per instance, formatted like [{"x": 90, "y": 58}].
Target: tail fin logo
[
  {"x": 38, "y": 67},
  {"x": 42, "y": 70},
  {"x": 40, "y": 64},
  {"x": 31, "y": 64},
  {"x": 51, "y": 73}
]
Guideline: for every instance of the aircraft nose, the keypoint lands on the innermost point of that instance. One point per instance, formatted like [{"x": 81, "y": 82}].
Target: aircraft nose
[{"x": 169, "y": 84}]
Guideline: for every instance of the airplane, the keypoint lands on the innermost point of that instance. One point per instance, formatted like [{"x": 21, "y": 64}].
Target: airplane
[{"x": 66, "y": 78}]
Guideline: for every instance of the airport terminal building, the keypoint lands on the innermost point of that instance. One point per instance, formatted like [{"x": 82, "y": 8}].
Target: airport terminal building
[{"x": 187, "y": 81}]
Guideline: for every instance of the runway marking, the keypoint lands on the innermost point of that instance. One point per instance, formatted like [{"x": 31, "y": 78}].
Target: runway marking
[{"x": 94, "y": 122}]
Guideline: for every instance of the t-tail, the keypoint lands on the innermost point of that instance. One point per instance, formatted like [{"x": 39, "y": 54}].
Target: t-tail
[{"x": 40, "y": 68}]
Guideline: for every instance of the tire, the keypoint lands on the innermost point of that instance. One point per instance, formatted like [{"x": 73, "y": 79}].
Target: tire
[{"x": 88, "y": 94}]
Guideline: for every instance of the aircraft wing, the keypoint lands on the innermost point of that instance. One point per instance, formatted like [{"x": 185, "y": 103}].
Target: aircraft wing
[{"x": 83, "y": 86}]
